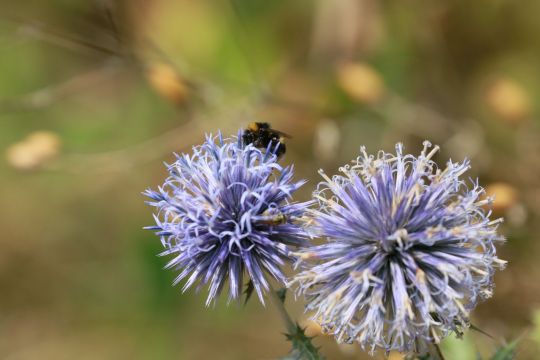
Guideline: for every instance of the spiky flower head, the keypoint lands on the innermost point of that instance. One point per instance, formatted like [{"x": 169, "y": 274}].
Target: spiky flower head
[
  {"x": 224, "y": 211},
  {"x": 409, "y": 251}
]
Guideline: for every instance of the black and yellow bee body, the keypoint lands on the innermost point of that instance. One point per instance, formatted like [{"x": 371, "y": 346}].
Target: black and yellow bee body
[{"x": 261, "y": 134}]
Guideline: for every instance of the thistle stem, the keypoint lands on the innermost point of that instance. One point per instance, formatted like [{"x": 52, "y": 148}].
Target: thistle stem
[
  {"x": 280, "y": 306},
  {"x": 439, "y": 352}
]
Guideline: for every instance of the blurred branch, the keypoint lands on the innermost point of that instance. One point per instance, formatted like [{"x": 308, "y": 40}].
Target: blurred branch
[
  {"x": 124, "y": 159},
  {"x": 110, "y": 13},
  {"x": 133, "y": 57},
  {"x": 52, "y": 93},
  {"x": 45, "y": 33},
  {"x": 241, "y": 39},
  {"x": 343, "y": 29},
  {"x": 177, "y": 139}
]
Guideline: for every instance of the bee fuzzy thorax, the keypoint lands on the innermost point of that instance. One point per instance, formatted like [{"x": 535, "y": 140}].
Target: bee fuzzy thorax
[{"x": 263, "y": 136}]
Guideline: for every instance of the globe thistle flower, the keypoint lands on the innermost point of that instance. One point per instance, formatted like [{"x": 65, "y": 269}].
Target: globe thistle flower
[
  {"x": 226, "y": 210},
  {"x": 409, "y": 251}
]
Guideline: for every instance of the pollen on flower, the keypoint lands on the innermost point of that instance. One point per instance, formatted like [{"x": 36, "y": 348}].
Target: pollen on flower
[
  {"x": 225, "y": 212},
  {"x": 409, "y": 251}
]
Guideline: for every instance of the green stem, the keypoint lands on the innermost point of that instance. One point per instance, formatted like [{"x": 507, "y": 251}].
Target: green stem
[
  {"x": 439, "y": 352},
  {"x": 280, "y": 306}
]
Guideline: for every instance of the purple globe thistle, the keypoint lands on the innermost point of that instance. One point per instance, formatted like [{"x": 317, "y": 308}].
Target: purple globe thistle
[
  {"x": 226, "y": 210},
  {"x": 409, "y": 251}
]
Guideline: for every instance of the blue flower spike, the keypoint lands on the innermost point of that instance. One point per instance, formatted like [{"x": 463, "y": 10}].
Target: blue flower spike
[
  {"x": 408, "y": 252},
  {"x": 226, "y": 211}
]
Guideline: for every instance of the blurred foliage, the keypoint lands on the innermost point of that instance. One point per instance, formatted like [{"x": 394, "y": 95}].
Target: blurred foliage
[
  {"x": 113, "y": 88},
  {"x": 506, "y": 352}
]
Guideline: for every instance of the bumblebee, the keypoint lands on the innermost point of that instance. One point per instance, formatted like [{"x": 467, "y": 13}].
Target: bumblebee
[{"x": 261, "y": 134}]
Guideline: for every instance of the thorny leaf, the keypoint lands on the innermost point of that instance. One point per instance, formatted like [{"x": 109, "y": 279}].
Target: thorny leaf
[
  {"x": 249, "y": 291},
  {"x": 302, "y": 347},
  {"x": 282, "y": 294}
]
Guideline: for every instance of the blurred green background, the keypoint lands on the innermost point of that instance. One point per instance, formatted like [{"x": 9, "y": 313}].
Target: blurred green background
[{"x": 95, "y": 95}]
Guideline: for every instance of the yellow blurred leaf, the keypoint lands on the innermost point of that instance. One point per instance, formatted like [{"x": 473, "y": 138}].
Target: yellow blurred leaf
[
  {"x": 505, "y": 196},
  {"x": 509, "y": 100},
  {"x": 166, "y": 81},
  {"x": 35, "y": 150},
  {"x": 361, "y": 82}
]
